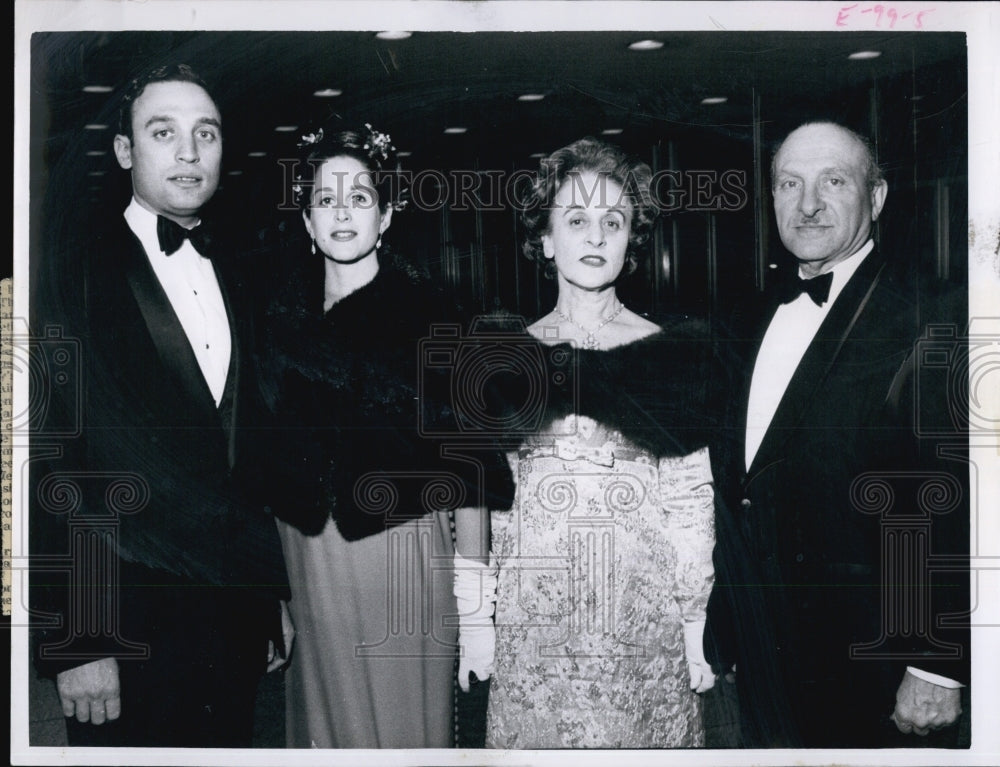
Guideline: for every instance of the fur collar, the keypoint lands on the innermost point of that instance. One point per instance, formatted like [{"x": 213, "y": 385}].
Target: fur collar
[
  {"x": 656, "y": 391},
  {"x": 367, "y": 344},
  {"x": 659, "y": 391},
  {"x": 355, "y": 409}
]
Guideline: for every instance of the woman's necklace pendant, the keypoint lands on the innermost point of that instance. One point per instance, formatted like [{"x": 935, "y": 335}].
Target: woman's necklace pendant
[{"x": 590, "y": 339}]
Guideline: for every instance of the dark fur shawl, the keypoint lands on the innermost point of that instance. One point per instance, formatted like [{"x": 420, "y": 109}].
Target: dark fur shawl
[
  {"x": 360, "y": 423},
  {"x": 661, "y": 392},
  {"x": 657, "y": 391}
]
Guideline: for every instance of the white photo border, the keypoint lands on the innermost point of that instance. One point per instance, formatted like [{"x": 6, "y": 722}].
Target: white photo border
[{"x": 979, "y": 21}]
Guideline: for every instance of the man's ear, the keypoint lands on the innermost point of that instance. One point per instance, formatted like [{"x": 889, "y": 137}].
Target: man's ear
[
  {"x": 878, "y": 198},
  {"x": 123, "y": 151}
]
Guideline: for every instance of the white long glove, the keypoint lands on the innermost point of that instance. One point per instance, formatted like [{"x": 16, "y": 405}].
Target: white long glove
[
  {"x": 475, "y": 590},
  {"x": 702, "y": 676}
]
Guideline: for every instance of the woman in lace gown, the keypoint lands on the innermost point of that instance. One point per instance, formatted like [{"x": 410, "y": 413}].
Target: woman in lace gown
[{"x": 605, "y": 561}]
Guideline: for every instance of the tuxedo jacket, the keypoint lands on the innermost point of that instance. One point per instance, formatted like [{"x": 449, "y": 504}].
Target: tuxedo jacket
[
  {"x": 154, "y": 462},
  {"x": 854, "y": 514}
]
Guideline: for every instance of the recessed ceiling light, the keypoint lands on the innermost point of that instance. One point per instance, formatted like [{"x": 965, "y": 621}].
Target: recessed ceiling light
[
  {"x": 256, "y": 154},
  {"x": 327, "y": 93},
  {"x": 235, "y": 173},
  {"x": 537, "y": 155},
  {"x": 95, "y": 126},
  {"x": 286, "y": 128},
  {"x": 715, "y": 100},
  {"x": 861, "y": 55},
  {"x": 531, "y": 97},
  {"x": 97, "y": 89},
  {"x": 389, "y": 35},
  {"x": 403, "y": 154},
  {"x": 96, "y": 153},
  {"x": 96, "y": 173},
  {"x": 612, "y": 131},
  {"x": 455, "y": 129},
  {"x": 645, "y": 45}
]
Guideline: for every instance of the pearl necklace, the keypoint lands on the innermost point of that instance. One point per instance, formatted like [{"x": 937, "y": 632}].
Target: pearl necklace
[{"x": 590, "y": 342}]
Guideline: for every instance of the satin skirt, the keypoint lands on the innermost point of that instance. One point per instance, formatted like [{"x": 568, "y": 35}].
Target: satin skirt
[{"x": 373, "y": 665}]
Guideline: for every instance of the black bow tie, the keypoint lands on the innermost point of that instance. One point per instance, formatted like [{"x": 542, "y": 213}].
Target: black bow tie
[
  {"x": 818, "y": 289},
  {"x": 172, "y": 235}
]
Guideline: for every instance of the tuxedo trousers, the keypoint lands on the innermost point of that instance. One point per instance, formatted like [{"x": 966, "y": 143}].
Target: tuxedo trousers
[
  {"x": 839, "y": 697},
  {"x": 196, "y": 686}
]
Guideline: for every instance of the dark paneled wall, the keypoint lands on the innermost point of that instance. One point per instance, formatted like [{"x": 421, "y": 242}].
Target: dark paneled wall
[
  {"x": 716, "y": 238},
  {"x": 714, "y": 242}
]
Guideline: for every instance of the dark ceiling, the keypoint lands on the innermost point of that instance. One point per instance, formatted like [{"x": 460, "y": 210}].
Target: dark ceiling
[
  {"x": 416, "y": 87},
  {"x": 914, "y": 94}
]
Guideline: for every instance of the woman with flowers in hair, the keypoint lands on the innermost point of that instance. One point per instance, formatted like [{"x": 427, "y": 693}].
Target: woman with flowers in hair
[
  {"x": 604, "y": 564},
  {"x": 357, "y": 469}
]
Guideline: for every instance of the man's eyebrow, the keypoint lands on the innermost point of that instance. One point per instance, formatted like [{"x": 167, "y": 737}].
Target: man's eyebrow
[
  {"x": 168, "y": 119},
  {"x": 157, "y": 119},
  {"x": 841, "y": 170}
]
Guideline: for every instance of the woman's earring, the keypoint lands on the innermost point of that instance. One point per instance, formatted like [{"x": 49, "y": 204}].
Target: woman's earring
[
  {"x": 314, "y": 246},
  {"x": 378, "y": 242}
]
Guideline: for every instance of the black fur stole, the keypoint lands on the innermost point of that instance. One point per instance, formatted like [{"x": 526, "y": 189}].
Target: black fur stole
[
  {"x": 363, "y": 423},
  {"x": 658, "y": 391}
]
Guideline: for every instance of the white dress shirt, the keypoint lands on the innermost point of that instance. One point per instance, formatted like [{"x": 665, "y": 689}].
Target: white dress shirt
[
  {"x": 189, "y": 281},
  {"x": 792, "y": 329}
]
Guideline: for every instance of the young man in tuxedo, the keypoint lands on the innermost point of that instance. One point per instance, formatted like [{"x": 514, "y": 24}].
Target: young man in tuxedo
[
  {"x": 848, "y": 643},
  {"x": 180, "y": 574}
]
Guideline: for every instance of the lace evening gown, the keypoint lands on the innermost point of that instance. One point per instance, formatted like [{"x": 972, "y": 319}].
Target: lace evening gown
[{"x": 607, "y": 551}]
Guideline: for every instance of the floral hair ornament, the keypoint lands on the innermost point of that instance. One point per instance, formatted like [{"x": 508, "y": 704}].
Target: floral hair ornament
[
  {"x": 378, "y": 144},
  {"x": 308, "y": 140},
  {"x": 311, "y": 138}
]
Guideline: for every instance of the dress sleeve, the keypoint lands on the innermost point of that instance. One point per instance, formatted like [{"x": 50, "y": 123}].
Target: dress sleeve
[{"x": 687, "y": 493}]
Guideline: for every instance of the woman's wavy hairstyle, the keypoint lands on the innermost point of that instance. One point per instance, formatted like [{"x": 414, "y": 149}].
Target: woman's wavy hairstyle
[
  {"x": 603, "y": 159},
  {"x": 374, "y": 150}
]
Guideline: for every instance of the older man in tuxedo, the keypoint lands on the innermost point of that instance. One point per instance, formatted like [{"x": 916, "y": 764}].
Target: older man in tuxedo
[
  {"x": 848, "y": 631},
  {"x": 173, "y": 609}
]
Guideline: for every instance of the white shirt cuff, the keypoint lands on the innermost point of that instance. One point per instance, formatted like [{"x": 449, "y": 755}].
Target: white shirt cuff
[{"x": 941, "y": 681}]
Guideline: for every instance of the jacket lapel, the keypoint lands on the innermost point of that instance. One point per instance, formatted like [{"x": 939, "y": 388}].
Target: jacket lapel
[
  {"x": 230, "y": 296},
  {"x": 165, "y": 330},
  {"x": 818, "y": 359}
]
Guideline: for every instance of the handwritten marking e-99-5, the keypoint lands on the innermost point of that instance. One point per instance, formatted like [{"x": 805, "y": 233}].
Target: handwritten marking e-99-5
[{"x": 881, "y": 12}]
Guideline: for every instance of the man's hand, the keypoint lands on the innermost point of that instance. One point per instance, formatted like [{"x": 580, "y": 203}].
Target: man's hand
[
  {"x": 91, "y": 691},
  {"x": 274, "y": 659},
  {"x": 922, "y": 706}
]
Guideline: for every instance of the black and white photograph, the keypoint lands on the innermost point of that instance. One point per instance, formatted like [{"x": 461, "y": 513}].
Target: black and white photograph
[{"x": 503, "y": 383}]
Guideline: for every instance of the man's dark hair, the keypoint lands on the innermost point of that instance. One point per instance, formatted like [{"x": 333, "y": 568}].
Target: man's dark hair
[{"x": 164, "y": 74}]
